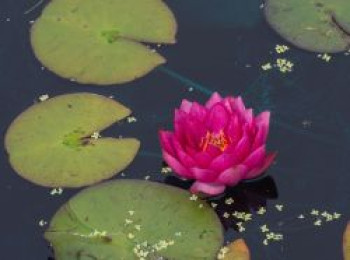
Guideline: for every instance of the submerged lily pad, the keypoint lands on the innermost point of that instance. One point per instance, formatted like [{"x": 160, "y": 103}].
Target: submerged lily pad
[
  {"x": 346, "y": 242},
  {"x": 49, "y": 143},
  {"x": 100, "y": 42},
  {"x": 237, "y": 250},
  {"x": 120, "y": 219},
  {"x": 315, "y": 25}
]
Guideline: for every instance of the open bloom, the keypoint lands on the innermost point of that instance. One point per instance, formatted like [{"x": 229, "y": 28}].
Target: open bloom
[{"x": 218, "y": 144}]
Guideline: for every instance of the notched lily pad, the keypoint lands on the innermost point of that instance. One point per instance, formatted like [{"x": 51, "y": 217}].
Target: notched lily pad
[
  {"x": 315, "y": 25},
  {"x": 121, "y": 219},
  {"x": 100, "y": 42},
  {"x": 237, "y": 250},
  {"x": 49, "y": 144},
  {"x": 346, "y": 242}
]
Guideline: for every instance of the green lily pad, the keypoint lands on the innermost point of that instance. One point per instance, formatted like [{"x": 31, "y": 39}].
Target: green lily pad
[
  {"x": 346, "y": 242},
  {"x": 49, "y": 144},
  {"x": 100, "y": 42},
  {"x": 315, "y": 25},
  {"x": 118, "y": 219}
]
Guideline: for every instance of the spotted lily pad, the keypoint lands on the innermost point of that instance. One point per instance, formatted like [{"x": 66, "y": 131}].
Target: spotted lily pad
[
  {"x": 100, "y": 42},
  {"x": 49, "y": 144},
  {"x": 237, "y": 250},
  {"x": 120, "y": 219},
  {"x": 346, "y": 242},
  {"x": 315, "y": 25}
]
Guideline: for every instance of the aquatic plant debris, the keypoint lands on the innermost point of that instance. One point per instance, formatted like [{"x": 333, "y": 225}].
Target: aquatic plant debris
[
  {"x": 135, "y": 219},
  {"x": 102, "y": 42},
  {"x": 50, "y": 143},
  {"x": 319, "y": 26}
]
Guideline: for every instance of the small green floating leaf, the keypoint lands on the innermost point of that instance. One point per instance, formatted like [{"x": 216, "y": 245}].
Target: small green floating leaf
[
  {"x": 346, "y": 242},
  {"x": 100, "y": 42},
  {"x": 118, "y": 219},
  {"x": 49, "y": 144},
  {"x": 315, "y": 25}
]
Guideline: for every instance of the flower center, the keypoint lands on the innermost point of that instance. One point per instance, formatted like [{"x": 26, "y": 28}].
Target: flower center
[{"x": 219, "y": 140}]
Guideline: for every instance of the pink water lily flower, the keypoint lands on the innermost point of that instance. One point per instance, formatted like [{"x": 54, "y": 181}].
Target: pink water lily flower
[{"x": 218, "y": 144}]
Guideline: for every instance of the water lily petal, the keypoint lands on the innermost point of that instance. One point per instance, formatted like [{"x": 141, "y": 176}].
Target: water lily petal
[
  {"x": 215, "y": 98},
  {"x": 176, "y": 166},
  {"x": 179, "y": 120},
  {"x": 223, "y": 162},
  {"x": 263, "y": 119},
  {"x": 198, "y": 111},
  {"x": 207, "y": 188},
  {"x": 194, "y": 133},
  {"x": 187, "y": 131},
  {"x": 234, "y": 130},
  {"x": 203, "y": 159},
  {"x": 232, "y": 175},
  {"x": 213, "y": 151},
  {"x": 260, "y": 137},
  {"x": 182, "y": 156},
  {"x": 248, "y": 116},
  {"x": 238, "y": 105},
  {"x": 256, "y": 158},
  {"x": 257, "y": 171},
  {"x": 166, "y": 141},
  {"x": 227, "y": 103},
  {"x": 217, "y": 118},
  {"x": 204, "y": 175},
  {"x": 186, "y": 106},
  {"x": 242, "y": 148}
]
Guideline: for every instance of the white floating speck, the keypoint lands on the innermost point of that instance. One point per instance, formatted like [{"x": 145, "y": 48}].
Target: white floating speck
[{"x": 43, "y": 97}]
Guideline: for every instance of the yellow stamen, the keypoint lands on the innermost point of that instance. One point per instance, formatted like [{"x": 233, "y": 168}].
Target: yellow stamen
[{"x": 219, "y": 140}]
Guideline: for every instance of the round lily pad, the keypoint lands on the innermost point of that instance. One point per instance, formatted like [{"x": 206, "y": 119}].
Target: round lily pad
[
  {"x": 315, "y": 25},
  {"x": 101, "y": 42},
  {"x": 123, "y": 218},
  {"x": 49, "y": 144}
]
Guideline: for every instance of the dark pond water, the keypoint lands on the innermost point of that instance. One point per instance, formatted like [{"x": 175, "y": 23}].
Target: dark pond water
[{"x": 221, "y": 46}]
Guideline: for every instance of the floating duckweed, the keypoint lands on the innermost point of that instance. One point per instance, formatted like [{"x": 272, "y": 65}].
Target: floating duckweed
[
  {"x": 281, "y": 48},
  {"x": 229, "y": 201},
  {"x": 42, "y": 223},
  {"x": 264, "y": 228},
  {"x": 318, "y": 222},
  {"x": 325, "y": 56},
  {"x": 56, "y": 191},
  {"x": 95, "y": 135},
  {"x": 43, "y": 97},
  {"x": 284, "y": 65},
  {"x": 166, "y": 170},
  {"x": 193, "y": 197},
  {"x": 279, "y": 207},
  {"x": 131, "y": 119},
  {"x": 261, "y": 211},
  {"x": 314, "y": 212},
  {"x": 223, "y": 251},
  {"x": 266, "y": 66},
  {"x": 226, "y": 215},
  {"x": 214, "y": 205}
]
